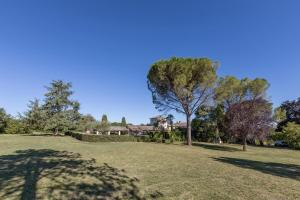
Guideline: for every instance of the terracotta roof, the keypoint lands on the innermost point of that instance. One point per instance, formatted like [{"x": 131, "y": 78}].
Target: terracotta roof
[
  {"x": 118, "y": 128},
  {"x": 140, "y": 128}
]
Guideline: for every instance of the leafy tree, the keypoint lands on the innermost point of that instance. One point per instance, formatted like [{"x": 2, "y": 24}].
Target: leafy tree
[
  {"x": 292, "y": 109},
  {"x": 231, "y": 90},
  {"x": 208, "y": 124},
  {"x": 104, "y": 125},
  {"x": 87, "y": 122},
  {"x": 16, "y": 126},
  {"x": 62, "y": 113},
  {"x": 104, "y": 118},
  {"x": 291, "y": 134},
  {"x": 279, "y": 114},
  {"x": 182, "y": 84},
  {"x": 123, "y": 123},
  {"x": 3, "y": 120},
  {"x": 35, "y": 117},
  {"x": 249, "y": 120}
]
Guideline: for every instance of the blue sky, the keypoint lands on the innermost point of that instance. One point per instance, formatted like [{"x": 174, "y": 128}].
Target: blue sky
[{"x": 105, "y": 48}]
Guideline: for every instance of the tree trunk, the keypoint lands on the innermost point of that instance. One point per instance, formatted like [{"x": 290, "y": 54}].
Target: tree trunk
[
  {"x": 189, "y": 130},
  {"x": 56, "y": 131},
  {"x": 261, "y": 143},
  {"x": 245, "y": 144}
]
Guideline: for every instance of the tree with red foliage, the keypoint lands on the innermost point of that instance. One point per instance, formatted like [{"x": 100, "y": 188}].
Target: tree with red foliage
[{"x": 249, "y": 120}]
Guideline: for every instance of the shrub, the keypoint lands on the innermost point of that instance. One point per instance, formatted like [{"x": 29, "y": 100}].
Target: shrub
[
  {"x": 15, "y": 126},
  {"x": 277, "y": 136},
  {"x": 143, "y": 138},
  {"x": 156, "y": 136},
  {"x": 176, "y": 136},
  {"x": 292, "y": 135},
  {"x": 102, "y": 138}
]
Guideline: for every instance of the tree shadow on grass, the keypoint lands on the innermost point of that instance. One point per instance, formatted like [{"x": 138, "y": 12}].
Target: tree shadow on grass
[
  {"x": 48, "y": 174},
  {"x": 277, "y": 169},
  {"x": 217, "y": 147}
]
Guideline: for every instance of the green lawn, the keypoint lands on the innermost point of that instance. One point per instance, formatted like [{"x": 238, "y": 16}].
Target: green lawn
[{"x": 45, "y": 167}]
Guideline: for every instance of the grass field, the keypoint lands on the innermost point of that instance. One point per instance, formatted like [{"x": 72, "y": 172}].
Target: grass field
[{"x": 41, "y": 167}]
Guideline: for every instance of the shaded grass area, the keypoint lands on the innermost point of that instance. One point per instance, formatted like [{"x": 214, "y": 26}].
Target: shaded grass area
[
  {"x": 217, "y": 147},
  {"x": 68, "y": 175},
  {"x": 277, "y": 169},
  {"x": 65, "y": 168}
]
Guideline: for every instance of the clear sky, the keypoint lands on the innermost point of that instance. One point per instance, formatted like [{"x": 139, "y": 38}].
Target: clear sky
[{"x": 105, "y": 48}]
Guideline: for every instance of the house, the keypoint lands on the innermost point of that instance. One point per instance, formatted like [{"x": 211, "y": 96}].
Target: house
[
  {"x": 160, "y": 122},
  {"x": 180, "y": 125},
  {"x": 117, "y": 130},
  {"x": 112, "y": 130}
]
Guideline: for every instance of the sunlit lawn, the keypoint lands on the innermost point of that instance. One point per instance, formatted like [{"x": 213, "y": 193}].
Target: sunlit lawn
[{"x": 34, "y": 167}]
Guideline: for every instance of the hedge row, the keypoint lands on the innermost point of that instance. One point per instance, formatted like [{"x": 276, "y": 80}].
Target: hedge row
[{"x": 108, "y": 138}]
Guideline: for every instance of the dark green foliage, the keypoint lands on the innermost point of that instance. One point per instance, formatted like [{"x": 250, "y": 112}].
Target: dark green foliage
[
  {"x": 104, "y": 118},
  {"x": 10, "y": 125},
  {"x": 62, "y": 113},
  {"x": 156, "y": 136},
  {"x": 166, "y": 137},
  {"x": 123, "y": 123},
  {"x": 3, "y": 120},
  {"x": 176, "y": 136},
  {"x": 208, "y": 124},
  {"x": 291, "y": 135},
  {"x": 17, "y": 126},
  {"x": 35, "y": 117},
  {"x": 143, "y": 138},
  {"x": 292, "y": 111},
  {"x": 106, "y": 138}
]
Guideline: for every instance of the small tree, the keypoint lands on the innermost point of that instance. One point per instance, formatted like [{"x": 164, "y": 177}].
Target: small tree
[
  {"x": 291, "y": 135},
  {"x": 182, "y": 84},
  {"x": 249, "y": 119},
  {"x": 104, "y": 119},
  {"x": 104, "y": 125},
  {"x": 35, "y": 117},
  {"x": 87, "y": 123},
  {"x": 208, "y": 123},
  {"x": 123, "y": 123}
]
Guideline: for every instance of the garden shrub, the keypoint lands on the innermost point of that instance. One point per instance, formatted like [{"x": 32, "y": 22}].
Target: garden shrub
[
  {"x": 156, "y": 136},
  {"x": 292, "y": 135},
  {"x": 15, "y": 126},
  {"x": 102, "y": 138},
  {"x": 176, "y": 136},
  {"x": 143, "y": 138},
  {"x": 152, "y": 137}
]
